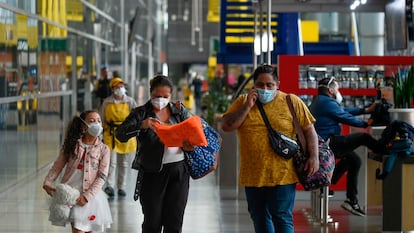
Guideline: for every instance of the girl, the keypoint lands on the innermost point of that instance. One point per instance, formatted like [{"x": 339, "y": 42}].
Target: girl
[{"x": 86, "y": 160}]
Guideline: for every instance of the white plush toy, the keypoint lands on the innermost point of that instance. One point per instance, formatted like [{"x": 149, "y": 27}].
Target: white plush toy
[{"x": 63, "y": 199}]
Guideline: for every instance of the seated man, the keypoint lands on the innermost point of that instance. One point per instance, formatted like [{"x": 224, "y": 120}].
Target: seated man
[{"x": 329, "y": 115}]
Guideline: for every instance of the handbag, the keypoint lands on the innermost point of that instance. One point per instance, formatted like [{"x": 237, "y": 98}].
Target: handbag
[
  {"x": 322, "y": 177},
  {"x": 204, "y": 159},
  {"x": 280, "y": 143}
]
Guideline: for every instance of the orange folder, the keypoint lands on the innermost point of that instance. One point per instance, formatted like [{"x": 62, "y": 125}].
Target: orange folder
[{"x": 190, "y": 129}]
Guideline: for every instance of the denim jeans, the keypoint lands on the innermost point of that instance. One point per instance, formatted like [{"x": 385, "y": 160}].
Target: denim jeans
[{"x": 271, "y": 208}]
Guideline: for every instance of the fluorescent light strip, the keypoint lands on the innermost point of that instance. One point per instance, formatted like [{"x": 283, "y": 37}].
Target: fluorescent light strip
[
  {"x": 350, "y": 68},
  {"x": 318, "y": 68}
]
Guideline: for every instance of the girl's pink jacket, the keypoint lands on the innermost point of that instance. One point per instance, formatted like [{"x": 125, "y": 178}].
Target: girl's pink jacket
[{"x": 95, "y": 171}]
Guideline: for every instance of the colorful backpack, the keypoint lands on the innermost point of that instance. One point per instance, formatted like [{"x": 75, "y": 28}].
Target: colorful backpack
[{"x": 204, "y": 159}]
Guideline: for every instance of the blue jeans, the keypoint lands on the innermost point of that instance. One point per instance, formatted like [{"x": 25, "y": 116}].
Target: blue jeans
[{"x": 271, "y": 208}]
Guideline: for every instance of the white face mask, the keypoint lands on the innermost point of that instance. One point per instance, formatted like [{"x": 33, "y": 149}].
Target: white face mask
[
  {"x": 160, "y": 103},
  {"x": 120, "y": 91},
  {"x": 94, "y": 129},
  {"x": 338, "y": 97}
]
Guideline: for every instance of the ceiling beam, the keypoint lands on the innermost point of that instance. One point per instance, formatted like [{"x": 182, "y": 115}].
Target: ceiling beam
[{"x": 326, "y": 6}]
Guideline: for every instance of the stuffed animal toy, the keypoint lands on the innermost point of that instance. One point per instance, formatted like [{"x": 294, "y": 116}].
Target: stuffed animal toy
[{"x": 63, "y": 199}]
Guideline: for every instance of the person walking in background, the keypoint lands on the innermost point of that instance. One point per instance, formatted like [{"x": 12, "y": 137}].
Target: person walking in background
[
  {"x": 269, "y": 180},
  {"x": 102, "y": 89},
  {"x": 81, "y": 89},
  {"x": 86, "y": 162},
  {"x": 329, "y": 115},
  {"x": 164, "y": 175},
  {"x": 114, "y": 110},
  {"x": 197, "y": 84}
]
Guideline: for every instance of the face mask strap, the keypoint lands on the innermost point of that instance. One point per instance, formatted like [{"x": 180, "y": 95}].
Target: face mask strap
[
  {"x": 329, "y": 83},
  {"x": 84, "y": 121}
]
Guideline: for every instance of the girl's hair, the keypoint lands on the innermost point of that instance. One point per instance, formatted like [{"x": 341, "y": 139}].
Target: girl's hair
[
  {"x": 73, "y": 133},
  {"x": 265, "y": 69},
  {"x": 160, "y": 80}
]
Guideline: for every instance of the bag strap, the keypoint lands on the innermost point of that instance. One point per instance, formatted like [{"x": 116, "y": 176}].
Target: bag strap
[
  {"x": 299, "y": 130},
  {"x": 263, "y": 113}
]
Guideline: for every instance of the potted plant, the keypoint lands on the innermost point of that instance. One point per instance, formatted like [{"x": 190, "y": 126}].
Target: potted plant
[
  {"x": 215, "y": 101},
  {"x": 404, "y": 88},
  {"x": 403, "y": 91}
]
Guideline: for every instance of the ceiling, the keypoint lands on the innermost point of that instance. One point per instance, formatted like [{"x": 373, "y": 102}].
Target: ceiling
[{"x": 325, "y": 6}]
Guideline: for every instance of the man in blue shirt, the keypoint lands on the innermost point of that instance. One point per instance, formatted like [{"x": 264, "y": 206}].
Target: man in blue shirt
[{"x": 329, "y": 115}]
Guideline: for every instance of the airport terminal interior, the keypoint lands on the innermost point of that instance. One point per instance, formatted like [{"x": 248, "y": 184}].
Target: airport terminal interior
[{"x": 52, "y": 54}]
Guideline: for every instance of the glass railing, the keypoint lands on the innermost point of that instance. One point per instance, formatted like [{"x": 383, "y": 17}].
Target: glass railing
[{"x": 31, "y": 133}]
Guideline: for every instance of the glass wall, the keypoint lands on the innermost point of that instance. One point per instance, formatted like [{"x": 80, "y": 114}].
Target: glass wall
[
  {"x": 51, "y": 53},
  {"x": 35, "y": 95},
  {"x": 32, "y": 138}
]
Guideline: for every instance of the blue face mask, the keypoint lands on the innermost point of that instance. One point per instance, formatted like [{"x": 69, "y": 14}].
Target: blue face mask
[{"x": 265, "y": 96}]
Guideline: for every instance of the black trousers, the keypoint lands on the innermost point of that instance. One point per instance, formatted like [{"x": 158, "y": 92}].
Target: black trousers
[
  {"x": 164, "y": 197},
  {"x": 343, "y": 147}
]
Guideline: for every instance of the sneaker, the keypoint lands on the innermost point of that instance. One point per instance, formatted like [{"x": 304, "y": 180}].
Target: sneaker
[
  {"x": 109, "y": 191},
  {"x": 121, "y": 193},
  {"x": 353, "y": 207}
]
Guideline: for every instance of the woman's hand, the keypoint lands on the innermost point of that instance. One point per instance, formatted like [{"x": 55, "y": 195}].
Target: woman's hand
[
  {"x": 251, "y": 98},
  {"x": 312, "y": 166},
  {"x": 49, "y": 189},
  {"x": 81, "y": 201},
  {"x": 149, "y": 123},
  {"x": 187, "y": 146}
]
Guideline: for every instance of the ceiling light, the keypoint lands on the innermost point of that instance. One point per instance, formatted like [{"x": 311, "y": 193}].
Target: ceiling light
[
  {"x": 321, "y": 69},
  {"x": 356, "y": 3},
  {"x": 350, "y": 68}
]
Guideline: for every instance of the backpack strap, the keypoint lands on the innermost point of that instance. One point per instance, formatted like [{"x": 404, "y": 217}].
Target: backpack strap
[
  {"x": 179, "y": 117},
  {"x": 178, "y": 105},
  {"x": 299, "y": 130}
]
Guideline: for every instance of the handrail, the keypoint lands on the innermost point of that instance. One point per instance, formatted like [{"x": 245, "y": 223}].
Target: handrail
[
  {"x": 48, "y": 21},
  {"x": 241, "y": 88},
  {"x": 12, "y": 99}
]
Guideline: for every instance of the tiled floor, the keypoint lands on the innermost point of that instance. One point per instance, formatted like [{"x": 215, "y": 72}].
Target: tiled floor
[
  {"x": 210, "y": 209},
  {"x": 24, "y": 208}
]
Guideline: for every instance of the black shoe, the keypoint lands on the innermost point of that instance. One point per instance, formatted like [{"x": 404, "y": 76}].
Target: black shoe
[
  {"x": 121, "y": 193},
  {"x": 109, "y": 191},
  {"x": 353, "y": 207}
]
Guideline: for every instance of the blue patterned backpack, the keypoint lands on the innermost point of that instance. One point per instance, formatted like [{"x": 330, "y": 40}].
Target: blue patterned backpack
[{"x": 204, "y": 159}]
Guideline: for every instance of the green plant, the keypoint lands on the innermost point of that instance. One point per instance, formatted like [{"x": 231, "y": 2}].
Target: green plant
[
  {"x": 215, "y": 101},
  {"x": 404, "y": 88}
]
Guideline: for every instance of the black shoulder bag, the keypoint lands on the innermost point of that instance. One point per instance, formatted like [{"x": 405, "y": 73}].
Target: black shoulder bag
[{"x": 280, "y": 143}]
